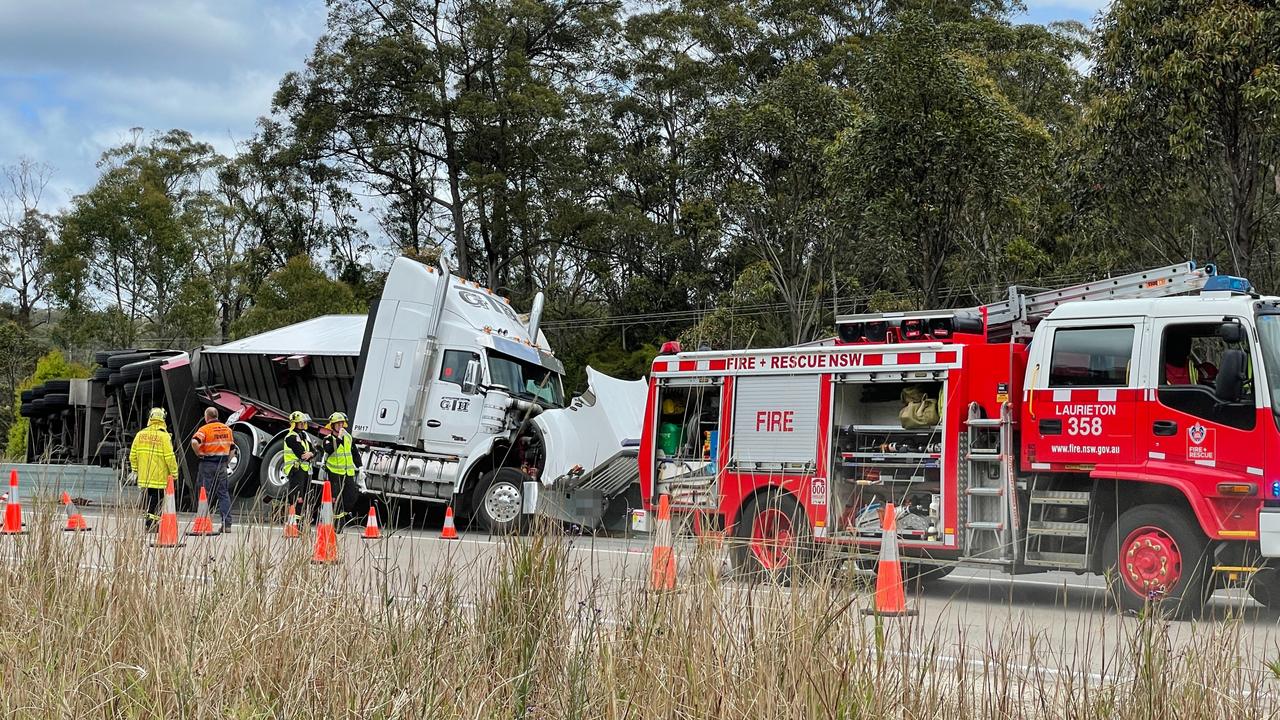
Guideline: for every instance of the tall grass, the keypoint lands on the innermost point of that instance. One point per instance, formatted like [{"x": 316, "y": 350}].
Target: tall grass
[{"x": 92, "y": 626}]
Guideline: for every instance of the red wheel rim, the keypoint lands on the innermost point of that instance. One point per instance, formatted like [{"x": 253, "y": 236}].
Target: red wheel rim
[
  {"x": 1150, "y": 562},
  {"x": 771, "y": 538}
]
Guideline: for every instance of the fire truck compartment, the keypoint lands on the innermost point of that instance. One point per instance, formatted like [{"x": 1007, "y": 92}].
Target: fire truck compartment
[
  {"x": 688, "y": 441},
  {"x": 884, "y": 453}
]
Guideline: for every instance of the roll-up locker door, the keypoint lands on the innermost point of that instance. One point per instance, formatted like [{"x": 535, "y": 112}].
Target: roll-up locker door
[{"x": 775, "y": 420}]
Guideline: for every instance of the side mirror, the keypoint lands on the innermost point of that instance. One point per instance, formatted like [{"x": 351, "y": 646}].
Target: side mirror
[
  {"x": 471, "y": 380},
  {"x": 1231, "y": 332},
  {"x": 1229, "y": 385}
]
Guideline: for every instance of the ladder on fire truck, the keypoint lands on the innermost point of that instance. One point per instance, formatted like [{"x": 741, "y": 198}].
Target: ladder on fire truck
[
  {"x": 1015, "y": 317},
  {"x": 989, "y": 523}
]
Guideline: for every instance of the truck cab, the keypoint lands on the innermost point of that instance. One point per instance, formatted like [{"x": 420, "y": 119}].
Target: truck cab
[{"x": 459, "y": 400}]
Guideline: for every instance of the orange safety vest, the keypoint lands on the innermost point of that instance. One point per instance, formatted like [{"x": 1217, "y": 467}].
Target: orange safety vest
[{"x": 215, "y": 439}]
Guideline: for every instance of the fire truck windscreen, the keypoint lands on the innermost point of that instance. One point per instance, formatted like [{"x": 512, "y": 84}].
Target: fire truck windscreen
[
  {"x": 1269, "y": 339},
  {"x": 525, "y": 379}
]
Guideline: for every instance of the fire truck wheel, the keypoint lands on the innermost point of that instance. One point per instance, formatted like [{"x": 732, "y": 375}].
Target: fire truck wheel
[
  {"x": 773, "y": 536},
  {"x": 498, "y": 501},
  {"x": 1264, "y": 586},
  {"x": 924, "y": 576},
  {"x": 1160, "y": 555}
]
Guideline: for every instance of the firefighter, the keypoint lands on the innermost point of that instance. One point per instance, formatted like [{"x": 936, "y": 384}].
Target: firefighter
[
  {"x": 1180, "y": 366},
  {"x": 214, "y": 444},
  {"x": 340, "y": 463},
  {"x": 152, "y": 459},
  {"x": 297, "y": 459}
]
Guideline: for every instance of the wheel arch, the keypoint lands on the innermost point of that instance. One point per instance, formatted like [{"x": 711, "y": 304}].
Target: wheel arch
[
  {"x": 734, "y": 514},
  {"x": 482, "y": 460},
  {"x": 1112, "y": 497},
  {"x": 261, "y": 438}
]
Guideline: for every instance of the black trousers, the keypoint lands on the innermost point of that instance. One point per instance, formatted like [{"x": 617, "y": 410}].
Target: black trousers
[
  {"x": 152, "y": 498},
  {"x": 300, "y": 487}
]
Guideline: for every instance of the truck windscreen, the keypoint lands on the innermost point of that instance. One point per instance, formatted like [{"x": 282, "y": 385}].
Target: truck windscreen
[
  {"x": 1269, "y": 339},
  {"x": 526, "y": 380}
]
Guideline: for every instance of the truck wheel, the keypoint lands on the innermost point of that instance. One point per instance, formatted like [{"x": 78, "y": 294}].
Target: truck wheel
[
  {"x": 1264, "y": 586},
  {"x": 499, "y": 499},
  {"x": 271, "y": 478},
  {"x": 924, "y": 576},
  {"x": 240, "y": 475},
  {"x": 773, "y": 536},
  {"x": 1159, "y": 556}
]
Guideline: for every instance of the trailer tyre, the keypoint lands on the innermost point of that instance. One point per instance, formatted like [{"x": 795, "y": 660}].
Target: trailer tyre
[
  {"x": 271, "y": 478},
  {"x": 499, "y": 500},
  {"x": 241, "y": 479},
  {"x": 773, "y": 540},
  {"x": 1158, "y": 555}
]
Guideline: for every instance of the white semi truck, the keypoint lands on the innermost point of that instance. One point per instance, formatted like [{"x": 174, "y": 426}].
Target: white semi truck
[{"x": 458, "y": 399}]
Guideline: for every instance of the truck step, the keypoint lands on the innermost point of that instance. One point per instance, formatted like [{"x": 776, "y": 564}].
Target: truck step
[
  {"x": 985, "y": 456},
  {"x": 983, "y": 422},
  {"x": 1059, "y": 497},
  {"x": 985, "y": 491},
  {"x": 1058, "y": 529},
  {"x": 1074, "y": 561},
  {"x": 980, "y": 525}
]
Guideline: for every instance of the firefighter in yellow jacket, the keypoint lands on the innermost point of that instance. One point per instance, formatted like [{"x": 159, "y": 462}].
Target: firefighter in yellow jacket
[{"x": 152, "y": 459}]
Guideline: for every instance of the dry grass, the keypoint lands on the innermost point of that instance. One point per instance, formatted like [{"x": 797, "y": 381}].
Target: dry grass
[{"x": 95, "y": 628}]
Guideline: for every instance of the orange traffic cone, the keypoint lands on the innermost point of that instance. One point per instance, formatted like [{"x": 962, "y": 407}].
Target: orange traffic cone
[
  {"x": 291, "y": 522},
  {"x": 202, "y": 525},
  {"x": 891, "y": 597},
  {"x": 662, "y": 571},
  {"x": 75, "y": 521},
  {"x": 13, "y": 511},
  {"x": 371, "y": 531},
  {"x": 168, "y": 534},
  {"x": 326, "y": 537},
  {"x": 449, "y": 532}
]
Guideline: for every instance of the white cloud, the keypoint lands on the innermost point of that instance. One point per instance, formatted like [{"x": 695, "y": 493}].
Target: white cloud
[{"x": 76, "y": 75}]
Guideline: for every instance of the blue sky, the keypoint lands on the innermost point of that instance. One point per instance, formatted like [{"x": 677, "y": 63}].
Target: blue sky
[{"x": 76, "y": 75}]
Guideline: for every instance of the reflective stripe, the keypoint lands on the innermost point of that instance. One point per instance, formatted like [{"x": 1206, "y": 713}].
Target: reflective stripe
[
  {"x": 290, "y": 460},
  {"x": 889, "y": 547},
  {"x": 339, "y": 461}
]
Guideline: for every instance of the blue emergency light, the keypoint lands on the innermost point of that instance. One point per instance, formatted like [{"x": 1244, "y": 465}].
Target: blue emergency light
[
  {"x": 1227, "y": 283},
  {"x": 1275, "y": 489}
]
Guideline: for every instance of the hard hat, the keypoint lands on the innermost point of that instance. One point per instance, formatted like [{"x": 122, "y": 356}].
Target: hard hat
[
  {"x": 297, "y": 416},
  {"x": 669, "y": 407},
  {"x": 337, "y": 417},
  {"x": 156, "y": 414}
]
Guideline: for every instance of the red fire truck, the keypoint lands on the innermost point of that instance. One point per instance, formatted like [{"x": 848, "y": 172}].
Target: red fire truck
[{"x": 1127, "y": 424}]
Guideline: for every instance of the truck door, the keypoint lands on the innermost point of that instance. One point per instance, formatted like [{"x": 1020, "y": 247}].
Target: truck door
[
  {"x": 1083, "y": 397},
  {"x": 1187, "y": 423},
  {"x": 452, "y": 417}
]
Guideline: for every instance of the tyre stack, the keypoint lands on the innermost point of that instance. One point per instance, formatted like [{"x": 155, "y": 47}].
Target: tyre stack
[
  {"x": 51, "y": 434},
  {"x": 133, "y": 387}
]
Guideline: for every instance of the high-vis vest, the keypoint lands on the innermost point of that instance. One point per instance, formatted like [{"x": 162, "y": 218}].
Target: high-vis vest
[
  {"x": 215, "y": 439},
  {"x": 290, "y": 460},
  {"x": 339, "y": 461},
  {"x": 151, "y": 456}
]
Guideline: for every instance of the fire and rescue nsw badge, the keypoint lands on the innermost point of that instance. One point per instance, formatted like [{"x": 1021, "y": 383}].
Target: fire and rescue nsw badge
[{"x": 1200, "y": 442}]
